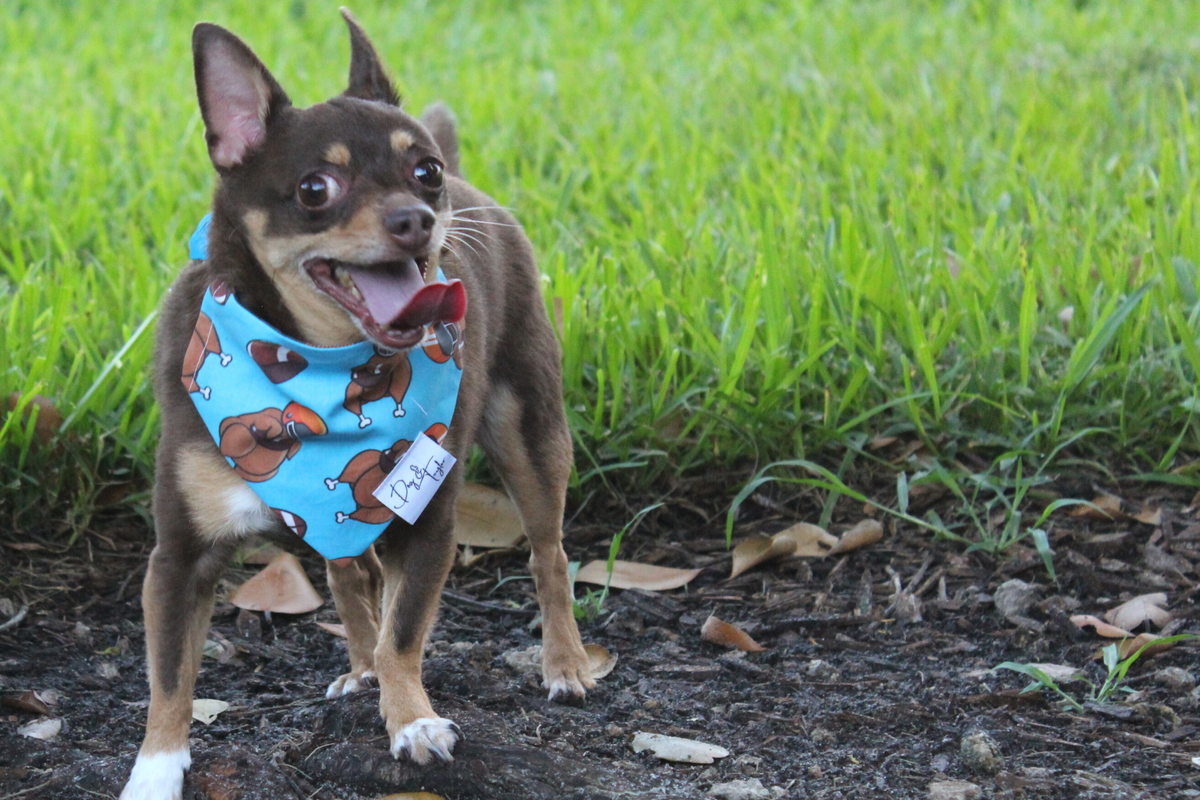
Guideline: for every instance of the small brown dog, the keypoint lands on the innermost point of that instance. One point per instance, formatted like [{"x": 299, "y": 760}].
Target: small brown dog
[{"x": 310, "y": 203}]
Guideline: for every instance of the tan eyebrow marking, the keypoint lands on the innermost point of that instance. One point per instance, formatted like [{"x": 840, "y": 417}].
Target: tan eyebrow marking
[
  {"x": 401, "y": 141},
  {"x": 338, "y": 154}
]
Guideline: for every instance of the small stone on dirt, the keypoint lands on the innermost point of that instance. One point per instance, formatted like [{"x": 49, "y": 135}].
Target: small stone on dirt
[
  {"x": 822, "y": 671},
  {"x": 1014, "y": 597},
  {"x": 108, "y": 670},
  {"x": 980, "y": 753},
  {"x": 740, "y": 790},
  {"x": 822, "y": 736},
  {"x": 1175, "y": 679},
  {"x": 815, "y": 772},
  {"x": 954, "y": 790}
]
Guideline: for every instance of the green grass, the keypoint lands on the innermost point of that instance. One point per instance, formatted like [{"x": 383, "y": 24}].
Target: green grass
[{"x": 773, "y": 227}]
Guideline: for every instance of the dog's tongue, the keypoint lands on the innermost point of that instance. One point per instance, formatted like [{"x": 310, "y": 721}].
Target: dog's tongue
[{"x": 403, "y": 300}]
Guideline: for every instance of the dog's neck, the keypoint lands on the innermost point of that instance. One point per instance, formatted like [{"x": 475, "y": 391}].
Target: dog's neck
[{"x": 230, "y": 259}]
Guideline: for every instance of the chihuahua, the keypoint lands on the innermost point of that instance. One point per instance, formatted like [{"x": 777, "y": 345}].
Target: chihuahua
[{"x": 344, "y": 224}]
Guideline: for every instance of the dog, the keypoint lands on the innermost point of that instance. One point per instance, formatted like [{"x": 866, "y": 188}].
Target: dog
[{"x": 314, "y": 210}]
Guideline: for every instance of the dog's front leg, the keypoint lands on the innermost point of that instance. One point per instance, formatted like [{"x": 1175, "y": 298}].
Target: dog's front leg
[
  {"x": 177, "y": 599},
  {"x": 416, "y": 561},
  {"x": 356, "y": 588}
]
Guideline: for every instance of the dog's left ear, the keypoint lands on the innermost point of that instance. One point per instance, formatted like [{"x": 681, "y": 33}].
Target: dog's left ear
[{"x": 368, "y": 81}]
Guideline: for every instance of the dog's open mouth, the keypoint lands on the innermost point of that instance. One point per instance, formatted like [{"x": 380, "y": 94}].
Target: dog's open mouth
[{"x": 391, "y": 300}]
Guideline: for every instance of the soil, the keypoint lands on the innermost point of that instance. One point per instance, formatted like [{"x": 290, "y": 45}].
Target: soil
[{"x": 862, "y": 691}]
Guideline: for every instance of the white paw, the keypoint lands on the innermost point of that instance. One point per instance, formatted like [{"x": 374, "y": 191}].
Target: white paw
[
  {"x": 425, "y": 738},
  {"x": 566, "y": 689},
  {"x": 349, "y": 684},
  {"x": 363, "y": 421},
  {"x": 157, "y": 777}
]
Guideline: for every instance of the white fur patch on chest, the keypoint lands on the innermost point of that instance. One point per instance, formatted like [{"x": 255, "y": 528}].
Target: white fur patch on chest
[{"x": 219, "y": 503}]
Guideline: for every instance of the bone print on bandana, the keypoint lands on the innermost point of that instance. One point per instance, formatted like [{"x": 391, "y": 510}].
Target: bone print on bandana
[{"x": 287, "y": 416}]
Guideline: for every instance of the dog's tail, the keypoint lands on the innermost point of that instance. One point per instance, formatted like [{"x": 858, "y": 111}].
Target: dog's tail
[{"x": 439, "y": 119}]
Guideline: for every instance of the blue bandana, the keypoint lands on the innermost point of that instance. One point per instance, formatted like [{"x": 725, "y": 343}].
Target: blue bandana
[{"x": 314, "y": 430}]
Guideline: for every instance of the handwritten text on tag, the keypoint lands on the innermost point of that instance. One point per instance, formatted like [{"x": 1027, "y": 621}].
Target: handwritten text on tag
[{"x": 419, "y": 474}]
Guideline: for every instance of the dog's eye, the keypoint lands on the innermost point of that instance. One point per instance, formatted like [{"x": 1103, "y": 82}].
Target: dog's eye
[
  {"x": 429, "y": 173},
  {"x": 318, "y": 190}
]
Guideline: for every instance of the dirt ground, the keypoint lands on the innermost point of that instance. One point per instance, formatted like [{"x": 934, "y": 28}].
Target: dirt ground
[{"x": 856, "y": 694}]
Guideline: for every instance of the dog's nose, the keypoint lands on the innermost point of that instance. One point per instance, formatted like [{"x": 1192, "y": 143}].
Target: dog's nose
[{"x": 412, "y": 226}]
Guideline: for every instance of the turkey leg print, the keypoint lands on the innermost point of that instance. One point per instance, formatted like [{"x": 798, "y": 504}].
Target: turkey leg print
[
  {"x": 204, "y": 342},
  {"x": 444, "y": 341},
  {"x": 277, "y": 362},
  {"x": 259, "y": 443},
  {"x": 386, "y": 374},
  {"x": 367, "y": 470}
]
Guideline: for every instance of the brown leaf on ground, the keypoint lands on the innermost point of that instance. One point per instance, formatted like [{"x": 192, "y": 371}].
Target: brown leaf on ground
[
  {"x": 866, "y": 532},
  {"x": 1107, "y": 507},
  {"x": 756, "y": 550},
  {"x": 281, "y": 588},
  {"x": 1149, "y": 516},
  {"x": 727, "y": 635},
  {"x": 26, "y": 701},
  {"x": 486, "y": 517},
  {"x": 336, "y": 628},
  {"x": 1103, "y": 628},
  {"x": 810, "y": 540},
  {"x": 1130, "y": 646},
  {"x": 49, "y": 420},
  {"x": 1060, "y": 672},
  {"x": 600, "y": 660},
  {"x": 1143, "y": 608},
  {"x": 631, "y": 575}
]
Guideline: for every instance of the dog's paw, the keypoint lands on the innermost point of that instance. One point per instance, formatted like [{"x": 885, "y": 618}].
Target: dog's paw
[
  {"x": 157, "y": 777},
  {"x": 424, "y": 739},
  {"x": 567, "y": 676},
  {"x": 350, "y": 683}
]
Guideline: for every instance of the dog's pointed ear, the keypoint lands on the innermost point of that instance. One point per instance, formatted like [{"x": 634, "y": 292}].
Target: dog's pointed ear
[
  {"x": 368, "y": 81},
  {"x": 237, "y": 94}
]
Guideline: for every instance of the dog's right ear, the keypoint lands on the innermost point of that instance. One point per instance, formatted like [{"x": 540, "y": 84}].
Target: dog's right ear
[{"x": 237, "y": 94}]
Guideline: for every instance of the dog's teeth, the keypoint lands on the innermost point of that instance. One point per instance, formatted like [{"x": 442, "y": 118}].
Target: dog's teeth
[
  {"x": 354, "y": 291},
  {"x": 343, "y": 277}
]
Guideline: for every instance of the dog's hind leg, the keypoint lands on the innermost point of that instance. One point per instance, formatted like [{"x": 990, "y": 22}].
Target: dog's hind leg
[
  {"x": 528, "y": 443},
  {"x": 177, "y": 599},
  {"x": 356, "y": 588}
]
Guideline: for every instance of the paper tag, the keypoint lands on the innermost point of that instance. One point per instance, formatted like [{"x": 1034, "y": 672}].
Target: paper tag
[{"x": 411, "y": 485}]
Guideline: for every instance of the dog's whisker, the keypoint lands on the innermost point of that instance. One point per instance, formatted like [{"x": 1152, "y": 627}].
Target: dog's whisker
[
  {"x": 479, "y": 208},
  {"x": 455, "y": 241},
  {"x": 461, "y": 229},
  {"x": 457, "y": 218},
  {"x": 467, "y": 235}
]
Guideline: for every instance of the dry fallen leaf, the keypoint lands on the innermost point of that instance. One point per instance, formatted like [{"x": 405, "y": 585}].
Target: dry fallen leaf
[
  {"x": 865, "y": 533},
  {"x": 1143, "y": 608},
  {"x": 1128, "y": 647},
  {"x": 49, "y": 420},
  {"x": 727, "y": 635},
  {"x": 486, "y": 517},
  {"x": 1060, "y": 672},
  {"x": 672, "y": 748},
  {"x": 1149, "y": 516},
  {"x": 26, "y": 701},
  {"x": 336, "y": 628},
  {"x": 758, "y": 549},
  {"x": 281, "y": 588},
  {"x": 631, "y": 575},
  {"x": 44, "y": 729},
  {"x": 600, "y": 660},
  {"x": 801, "y": 539},
  {"x": 1107, "y": 507},
  {"x": 1102, "y": 627},
  {"x": 206, "y": 710}
]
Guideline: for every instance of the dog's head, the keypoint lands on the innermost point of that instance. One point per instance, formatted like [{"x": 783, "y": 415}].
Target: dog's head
[{"x": 342, "y": 204}]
